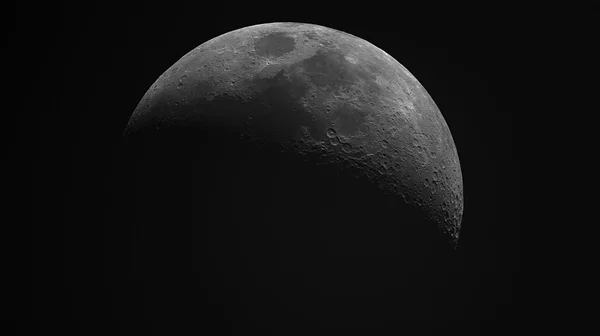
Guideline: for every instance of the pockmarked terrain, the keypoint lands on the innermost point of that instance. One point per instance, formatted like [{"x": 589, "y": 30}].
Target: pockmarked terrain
[{"x": 323, "y": 95}]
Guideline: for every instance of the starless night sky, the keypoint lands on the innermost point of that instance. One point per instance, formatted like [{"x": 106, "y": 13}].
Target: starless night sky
[{"x": 91, "y": 65}]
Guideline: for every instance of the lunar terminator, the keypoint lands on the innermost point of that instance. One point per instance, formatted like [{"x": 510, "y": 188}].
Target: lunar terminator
[
  {"x": 312, "y": 89},
  {"x": 305, "y": 161}
]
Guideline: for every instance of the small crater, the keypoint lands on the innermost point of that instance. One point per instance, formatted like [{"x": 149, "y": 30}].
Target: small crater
[
  {"x": 347, "y": 148},
  {"x": 311, "y": 35},
  {"x": 330, "y": 133},
  {"x": 180, "y": 84}
]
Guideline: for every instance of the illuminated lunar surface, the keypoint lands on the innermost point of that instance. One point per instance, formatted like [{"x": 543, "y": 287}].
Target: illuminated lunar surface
[{"x": 317, "y": 144}]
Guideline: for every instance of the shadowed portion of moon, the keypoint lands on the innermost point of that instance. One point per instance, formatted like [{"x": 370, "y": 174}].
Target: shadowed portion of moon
[
  {"x": 291, "y": 239},
  {"x": 301, "y": 168}
]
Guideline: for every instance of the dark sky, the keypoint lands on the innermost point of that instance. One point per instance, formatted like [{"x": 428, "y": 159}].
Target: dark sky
[{"x": 90, "y": 66}]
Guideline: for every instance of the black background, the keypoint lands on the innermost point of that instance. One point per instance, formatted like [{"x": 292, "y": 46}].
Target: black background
[{"x": 88, "y": 68}]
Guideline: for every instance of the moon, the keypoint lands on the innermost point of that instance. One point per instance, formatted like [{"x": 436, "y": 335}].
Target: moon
[{"x": 312, "y": 155}]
